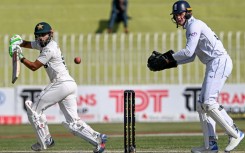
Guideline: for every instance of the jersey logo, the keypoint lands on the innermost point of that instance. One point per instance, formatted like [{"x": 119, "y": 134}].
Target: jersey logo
[{"x": 193, "y": 34}]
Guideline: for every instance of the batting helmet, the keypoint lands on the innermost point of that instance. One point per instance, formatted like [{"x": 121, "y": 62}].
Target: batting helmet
[
  {"x": 181, "y": 6},
  {"x": 42, "y": 28}
]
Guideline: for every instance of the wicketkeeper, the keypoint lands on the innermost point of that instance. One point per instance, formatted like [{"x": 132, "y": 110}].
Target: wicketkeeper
[
  {"x": 203, "y": 43},
  {"x": 62, "y": 90}
]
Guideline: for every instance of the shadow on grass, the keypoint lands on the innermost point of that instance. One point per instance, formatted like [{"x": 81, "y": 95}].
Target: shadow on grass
[{"x": 103, "y": 25}]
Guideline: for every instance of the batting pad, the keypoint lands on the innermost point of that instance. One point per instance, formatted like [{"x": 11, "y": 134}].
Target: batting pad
[
  {"x": 82, "y": 132},
  {"x": 217, "y": 116},
  {"x": 39, "y": 124}
]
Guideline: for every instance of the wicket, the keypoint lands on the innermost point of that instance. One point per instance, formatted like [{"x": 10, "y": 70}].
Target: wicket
[{"x": 129, "y": 121}]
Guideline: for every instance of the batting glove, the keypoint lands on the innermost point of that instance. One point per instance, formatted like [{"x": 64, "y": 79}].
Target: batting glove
[
  {"x": 16, "y": 40},
  {"x": 19, "y": 52},
  {"x": 17, "y": 48},
  {"x": 12, "y": 49}
]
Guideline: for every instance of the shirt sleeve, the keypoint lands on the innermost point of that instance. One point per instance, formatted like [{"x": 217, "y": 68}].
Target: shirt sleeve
[
  {"x": 192, "y": 34},
  {"x": 45, "y": 56},
  {"x": 188, "y": 60},
  {"x": 35, "y": 45}
]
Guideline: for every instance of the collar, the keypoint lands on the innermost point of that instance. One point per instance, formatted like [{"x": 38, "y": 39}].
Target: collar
[{"x": 188, "y": 22}]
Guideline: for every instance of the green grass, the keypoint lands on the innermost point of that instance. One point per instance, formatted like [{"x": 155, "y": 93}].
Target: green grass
[
  {"x": 85, "y": 16},
  {"x": 19, "y": 138}
]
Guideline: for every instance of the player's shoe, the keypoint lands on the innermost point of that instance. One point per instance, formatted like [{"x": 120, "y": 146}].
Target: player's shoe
[
  {"x": 37, "y": 147},
  {"x": 101, "y": 147},
  {"x": 213, "y": 148},
  {"x": 233, "y": 143}
]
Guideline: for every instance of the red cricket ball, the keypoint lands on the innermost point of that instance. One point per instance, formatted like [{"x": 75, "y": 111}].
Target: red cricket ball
[{"x": 77, "y": 60}]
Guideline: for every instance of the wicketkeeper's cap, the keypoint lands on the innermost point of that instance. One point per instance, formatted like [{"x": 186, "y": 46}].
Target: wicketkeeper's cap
[{"x": 41, "y": 28}]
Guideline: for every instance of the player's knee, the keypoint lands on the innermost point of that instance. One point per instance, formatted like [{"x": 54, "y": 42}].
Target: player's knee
[
  {"x": 38, "y": 120},
  {"x": 43, "y": 118},
  {"x": 208, "y": 107}
]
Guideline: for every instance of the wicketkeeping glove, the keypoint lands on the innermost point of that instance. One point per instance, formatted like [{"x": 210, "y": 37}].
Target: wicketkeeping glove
[
  {"x": 158, "y": 61},
  {"x": 16, "y": 40}
]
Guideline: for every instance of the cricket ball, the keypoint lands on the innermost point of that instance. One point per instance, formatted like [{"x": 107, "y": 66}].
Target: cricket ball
[{"x": 77, "y": 60}]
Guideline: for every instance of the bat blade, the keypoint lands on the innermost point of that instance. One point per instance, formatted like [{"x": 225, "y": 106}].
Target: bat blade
[{"x": 16, "y": 67}]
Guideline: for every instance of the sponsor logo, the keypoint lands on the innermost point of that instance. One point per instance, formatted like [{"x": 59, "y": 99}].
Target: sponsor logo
[
  {"x": 29, "y": 94},
  {"x": 84, "y": 102},
  {"x": 232, "y": 99},
  {"x": 88, "y": 99},
  {"x": 191, "y": 98},
  {"x": 193, "y": 34},
  {"x": 143, "y": 99},
  {"x": 234, "y": 103}
]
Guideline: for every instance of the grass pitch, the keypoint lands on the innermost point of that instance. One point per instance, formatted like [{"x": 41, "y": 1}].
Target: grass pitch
[{"x": 150, "y": 138}]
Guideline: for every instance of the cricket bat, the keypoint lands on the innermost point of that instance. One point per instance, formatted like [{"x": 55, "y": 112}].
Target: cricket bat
[{"x": 16, "y": 67}]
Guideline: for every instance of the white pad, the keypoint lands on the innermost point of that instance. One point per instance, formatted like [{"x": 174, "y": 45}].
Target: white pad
[
  {"x": 39, "y": 123},
  {"x": 216, "y": 115},
  {"x": 83, "y": 131}
]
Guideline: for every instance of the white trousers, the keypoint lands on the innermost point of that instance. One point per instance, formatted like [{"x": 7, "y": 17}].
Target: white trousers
[
  {"x": 64, "y": 93},
  {"x": 217, "y": 72}
]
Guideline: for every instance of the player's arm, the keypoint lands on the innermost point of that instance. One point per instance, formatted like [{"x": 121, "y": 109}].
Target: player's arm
[
  {"x": 16, "y": 42},
  {"x": 14, "y": 45},
  {"x": 31, "y": 65},
  {"x": 193, "y": 35},
  {"x": 188, "y": 60},
  {"x": 43, "y": 58},
  {"x": 26, "y": 44}
]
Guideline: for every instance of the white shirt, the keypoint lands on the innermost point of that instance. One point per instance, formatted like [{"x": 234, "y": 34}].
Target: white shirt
[
  {"x": 53, "y": 61},
  {"x": 201, "y": 42}
]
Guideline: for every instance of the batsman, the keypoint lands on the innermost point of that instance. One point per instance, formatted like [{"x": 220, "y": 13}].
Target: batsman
[
  {"x": 62, "y": 89},
  {"x": 203, "y": 43}
]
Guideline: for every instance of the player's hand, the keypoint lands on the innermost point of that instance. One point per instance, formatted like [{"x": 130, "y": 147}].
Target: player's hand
[
  {"x": 12, "y": 49},
  {"x": 155, "y": 62},
  {"x": 19, "y": 52},
  {"x": 158, "y": 61},
  {"x": 16, "y": 48},
  {"x": 15, "y": 41}
]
